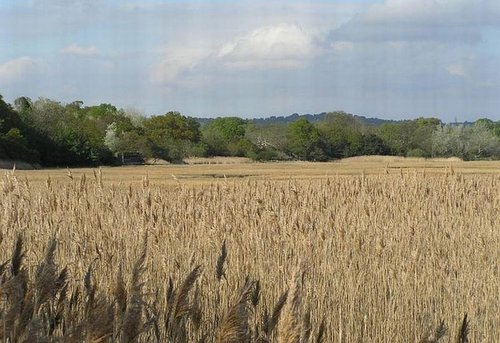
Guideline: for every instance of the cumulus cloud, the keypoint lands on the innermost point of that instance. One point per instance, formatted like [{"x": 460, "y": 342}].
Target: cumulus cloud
[
  {"x": 178, "y": 60},
  {"x": 15, "y": 69},
  {"x": 75, "y": 49},
  {"x": 280, "y": 46}
]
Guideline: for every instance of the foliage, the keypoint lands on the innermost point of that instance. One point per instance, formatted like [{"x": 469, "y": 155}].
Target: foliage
[
  {"x": 13, "y": 143},
  {"x": 371, "y": 144},
  {"x": 226, "y": 137},
  {"x": 304, "y": 141},
  {"x": 468, "y": 142},
  {"x": 172, "y": 135},
  {"x": 55, "y": 134},
  {"x": 342, "y": 134}
]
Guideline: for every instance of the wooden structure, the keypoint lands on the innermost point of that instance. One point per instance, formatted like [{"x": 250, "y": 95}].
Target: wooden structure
[{"x": 131, "y": 158}]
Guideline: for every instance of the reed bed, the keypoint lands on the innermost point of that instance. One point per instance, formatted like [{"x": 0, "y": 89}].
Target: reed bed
[{"x": 371, "y": 258}]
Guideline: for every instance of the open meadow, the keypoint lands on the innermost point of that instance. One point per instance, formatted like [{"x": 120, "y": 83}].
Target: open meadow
[{"x": 361, "y": 250}]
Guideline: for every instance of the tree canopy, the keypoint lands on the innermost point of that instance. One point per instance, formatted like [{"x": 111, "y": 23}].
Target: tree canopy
[{"x": 52, "y": 133}]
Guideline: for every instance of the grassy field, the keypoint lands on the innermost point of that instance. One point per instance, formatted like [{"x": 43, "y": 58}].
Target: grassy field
[
  {"x": 240, "y": 169},
  {"x": 369, "y": 250}
]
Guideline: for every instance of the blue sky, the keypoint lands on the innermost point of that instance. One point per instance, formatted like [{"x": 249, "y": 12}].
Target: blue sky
[{"x": 254, "y": 58}]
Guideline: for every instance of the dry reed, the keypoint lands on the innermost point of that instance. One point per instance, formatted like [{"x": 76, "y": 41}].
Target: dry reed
[{"x": 388, "y": 256}]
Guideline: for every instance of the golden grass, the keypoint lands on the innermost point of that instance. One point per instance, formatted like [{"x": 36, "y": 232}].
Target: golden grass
[
  {"x": 209, "y": 173},
  {"x": 387, "y": 253},
  {"x": 217, "y": 160}
]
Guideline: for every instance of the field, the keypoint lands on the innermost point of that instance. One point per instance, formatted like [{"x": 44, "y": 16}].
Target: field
[{"x": 370, "y": 250}]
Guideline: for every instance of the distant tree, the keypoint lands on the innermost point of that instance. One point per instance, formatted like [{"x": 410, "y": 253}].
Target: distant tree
[
  {"x": 267, "y": 135},
  {"x": 13, "y": 143},
  {"x": 304, "y": 141},
  {"x": 135, "y": 116},
  {"x": 449, "y": 140},
  {"x": 111, "y": 139},
  {"x": 494, "y": 127},
  {"x": 8, "y": 117},
  {"x": 398, "y": 136},
  {"x": 373, "y": 145},
  {"x": 71, "y": 135},
  {"x": 421, "y": 137},
  {"x": 14, "y": 146},
  {"x": 172, "y": 126},
  {"x": 23, "y": 106},
  {"x": 226, "y": 137},
  {"x": 133, "y": 141},
  {"x": 269, "y": 141},
  {"x": 468, "y": 142},
  {"x": 342, "y": 134},
  {"x": 172, "y": 135},
  {"x": 481, "y": 142}
]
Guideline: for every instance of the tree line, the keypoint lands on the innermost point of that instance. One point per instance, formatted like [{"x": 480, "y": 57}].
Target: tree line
[{"x": 52, "y": 133}]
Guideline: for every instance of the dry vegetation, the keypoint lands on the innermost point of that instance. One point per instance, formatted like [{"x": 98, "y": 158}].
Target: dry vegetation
[{"x": 393, "y": 257}]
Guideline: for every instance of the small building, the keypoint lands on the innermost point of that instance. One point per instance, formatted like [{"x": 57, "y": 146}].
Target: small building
[{"x": 131, "y": 158}]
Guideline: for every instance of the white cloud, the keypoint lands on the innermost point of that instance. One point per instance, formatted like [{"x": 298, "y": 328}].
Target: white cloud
[
  {"x": 75, "y": 49},
  {"x": 17, "y": 68},
  {"x": 281, "y": 46},
  {"x": 177, "y": 61},
  {"x": 456, "y": 70}
]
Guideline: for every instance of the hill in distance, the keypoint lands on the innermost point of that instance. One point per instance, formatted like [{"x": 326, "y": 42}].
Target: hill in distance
[{"x": 310, "y": 117}]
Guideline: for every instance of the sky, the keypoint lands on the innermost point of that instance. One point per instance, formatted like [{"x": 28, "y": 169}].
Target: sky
[{"x": 392, "y": 59}]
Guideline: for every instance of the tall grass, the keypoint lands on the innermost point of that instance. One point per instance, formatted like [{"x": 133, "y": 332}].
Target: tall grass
[{"x": 392, "y": 258}]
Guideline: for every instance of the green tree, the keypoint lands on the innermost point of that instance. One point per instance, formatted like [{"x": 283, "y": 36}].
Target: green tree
[
  {"x": 226, "y": 137},
  {"x": 481, "y": 142},
  {"x": 342, "y": 134},
  {"x": 398, "y": 136},
  {"x": 373, "y": 145},
  {"x": 421, "y": 138},
  {"x": 269, "y": 141},
  {"x": 466, "y": 141},
  {"x": 23, "y": 106},
  {"x": 72, "y": 135},
  {"x": 8, "y": 117},
  {"x": 494, "y": 127},
  {"x": 173, "y": 135},
  {"x": 304, "y": 141},
  {"x": 271, "y": 135},
  {"x": 448, "y": 140},
  {"x": 133, "y": 141},
  {"x": 13, "y": 144}
]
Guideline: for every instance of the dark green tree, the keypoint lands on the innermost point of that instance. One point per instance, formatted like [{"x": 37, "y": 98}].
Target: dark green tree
[
  {"x": 304, "y": 141},
  {"x": 226, "y": 137},
  {"x": 342, "y": 134},
  {"x": 373, "y": 145},
  {"x": 398, "y": 136},
  {"x": 13, "y": 143},
  {"x": 173, "y": 136}
]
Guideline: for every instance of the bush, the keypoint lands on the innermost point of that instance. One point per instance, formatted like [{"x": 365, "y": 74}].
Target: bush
[
  {"x": 416, "y": 153},
  {"x": 14, "y": 146}
]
